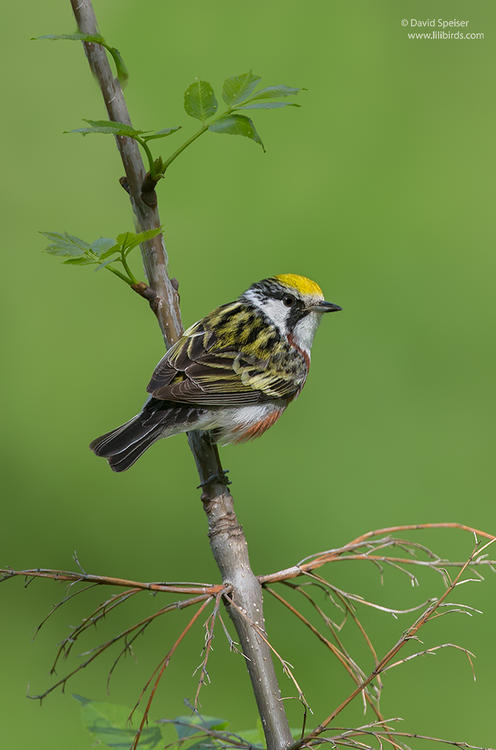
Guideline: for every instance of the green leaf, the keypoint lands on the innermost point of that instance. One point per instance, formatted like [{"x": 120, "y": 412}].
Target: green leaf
[
  {"x": 187, "y": 726},
  {"x": 274, "y": 92},
  {"x": 103, "y": 246},
  {"x": 268, "y": 105},
  {"x": 65, "y": 244},
  {"x": 252, "y": 736},
  {"x": 237, "y": 125},
  {"x": 207, "y": 743},
  {"x": 129, "y": 240},
  {"x": 105, "y": 263},
  {"x": 82, "y": 261},
  {"x": 111, "y": 251},
  {"x": 200, "y": 101},
  {"x": 239, "y": 88},
  {"x": 120, "y": 65},
  {"x": 108, "y": 127},
  {"x": 77, "y": 36},
  {"x": 161, "y": 133},
  {"x": 108, "y": 723}
]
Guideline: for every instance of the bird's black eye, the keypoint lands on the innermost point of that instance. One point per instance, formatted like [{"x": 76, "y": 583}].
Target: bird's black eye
[{"x": 288, "y": 300}]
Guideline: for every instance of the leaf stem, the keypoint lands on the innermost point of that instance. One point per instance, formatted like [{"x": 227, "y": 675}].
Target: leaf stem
[
  {"x": 185, "y": 145},
  {"x": 148, "y": 153},
  {"x": 166, "y": 164},
  {"x": 120, "y": 275},
  {"x": 128, "y": 270}
]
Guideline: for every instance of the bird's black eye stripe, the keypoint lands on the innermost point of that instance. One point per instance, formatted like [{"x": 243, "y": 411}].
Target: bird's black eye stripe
[
  {"x": 288, "y": 300},
  {"x": 295, "y": 314}
]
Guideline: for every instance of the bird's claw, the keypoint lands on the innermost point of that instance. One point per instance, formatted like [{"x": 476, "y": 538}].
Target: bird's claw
[{"x": 220, "y": 477}]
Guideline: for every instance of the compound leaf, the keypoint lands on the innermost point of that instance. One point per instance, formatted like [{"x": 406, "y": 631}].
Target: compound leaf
[
  {"x": 103, "y": 246},
  {"x": 106, "y": 263},
  {"x": 238, "y": 88},
  {"x": 65, "y": 244},
  {"x": 187, "y": 726},
  {"x": 274, "y": 92},
  {"x": 161, "y": 133},
  {"x": 120, "y": 65},
  {"x": 77, "y": 37},
  {"x": 237, "y": 125},
  {"x": 267, "y": 105},
  {"x": 129, "y": 240},
  {"x": 82, "y": 261},
  {"x": 200, "y": 101},
  {"x": 109, "y": 127},
  {"x": 254, "y": 737},
  {"x": 108, "y": 723}
]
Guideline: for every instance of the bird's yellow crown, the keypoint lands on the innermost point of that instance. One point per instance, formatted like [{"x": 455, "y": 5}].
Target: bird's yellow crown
[{"x": 300, "y": 283}]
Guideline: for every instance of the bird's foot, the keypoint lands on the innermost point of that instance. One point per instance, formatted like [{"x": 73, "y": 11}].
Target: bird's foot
[{"x": 218, "y": 476}]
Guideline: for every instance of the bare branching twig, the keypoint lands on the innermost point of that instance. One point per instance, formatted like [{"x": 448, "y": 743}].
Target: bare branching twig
[
  {"x": 408, "y": 635},
  {"x": 209, "y": 637},
  {"x": 159, "y": 671}
]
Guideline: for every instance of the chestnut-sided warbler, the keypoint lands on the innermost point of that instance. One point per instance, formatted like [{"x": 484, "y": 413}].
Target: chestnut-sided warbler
[{"x": 233, "y": 372}]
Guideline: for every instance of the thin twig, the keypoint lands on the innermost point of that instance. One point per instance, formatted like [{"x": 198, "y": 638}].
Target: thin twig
[
  {"x": 161, "y": 669},
  {"x": 104, "y": 646},
  {"x": 408, "y": 635},
  {"x": 91, "y": 620},
  {"x": 127, "y": 648},
  {"x": 209, "y": 636},
  {"x": 332, "y": 648},
  {"x": 66, "y": 575},
  {"x": 433, "y": 650},
  {"x": 61, "y": 603},
  {"x": 316, "y": 561}
]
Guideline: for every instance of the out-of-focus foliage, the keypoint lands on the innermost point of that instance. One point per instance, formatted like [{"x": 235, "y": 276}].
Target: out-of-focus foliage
[{"x": 381, "y": 188}]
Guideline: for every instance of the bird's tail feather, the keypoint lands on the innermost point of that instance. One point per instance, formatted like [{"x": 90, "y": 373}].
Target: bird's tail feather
[{"x": 124, "y": 445}]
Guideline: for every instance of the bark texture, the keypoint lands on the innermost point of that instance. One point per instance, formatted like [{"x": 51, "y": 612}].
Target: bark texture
[{"x": 227, "y": 539}]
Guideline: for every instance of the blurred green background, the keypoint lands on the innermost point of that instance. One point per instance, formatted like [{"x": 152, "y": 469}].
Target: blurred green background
[{"x": 381, "y": 187}]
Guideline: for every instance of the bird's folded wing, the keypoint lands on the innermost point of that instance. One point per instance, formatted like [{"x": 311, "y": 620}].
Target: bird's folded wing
[{"x": 202, "y": 368}]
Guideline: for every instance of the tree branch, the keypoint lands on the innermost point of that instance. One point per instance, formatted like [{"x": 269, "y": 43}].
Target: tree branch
[
  {"x": 408, "y": 635},
  {"x": 227, "y": 540}
]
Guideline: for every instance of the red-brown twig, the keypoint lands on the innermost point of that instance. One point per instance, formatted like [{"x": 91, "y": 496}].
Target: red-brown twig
[
  {"x": 368, "y": 547},
  {"x": 209, "y": 637},
  {"x": 338, "y": 653},
  {"x": 334, "y": 629},
  {"x": 127, "y": 648},
  {"x": 103, "y": 647},
  {"x": 66, "y": 575},
  {"x": 61, "y": 603},
  {"x": 233, "y": 645},
  {"x": 433, "y": 650},
  {"x": 322, "y": 558},
  {"x": 408, "y": 635},
  {"x": 162, "y": 666},
  {"x": 375, "y": 731},
  {"x": 348, "y": 610},
  {"x": 92, "y": 619}
]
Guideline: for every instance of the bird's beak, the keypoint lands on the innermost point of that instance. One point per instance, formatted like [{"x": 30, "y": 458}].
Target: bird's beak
[{"x": 324, "y": 307}]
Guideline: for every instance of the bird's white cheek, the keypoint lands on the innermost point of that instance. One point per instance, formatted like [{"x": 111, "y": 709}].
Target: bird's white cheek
[
  {"x": 304, "y": 330},
  {"x": 273, "y": 308}
]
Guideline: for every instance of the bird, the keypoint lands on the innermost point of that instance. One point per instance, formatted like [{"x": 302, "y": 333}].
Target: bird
[{"x": 232, "y": 373}]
